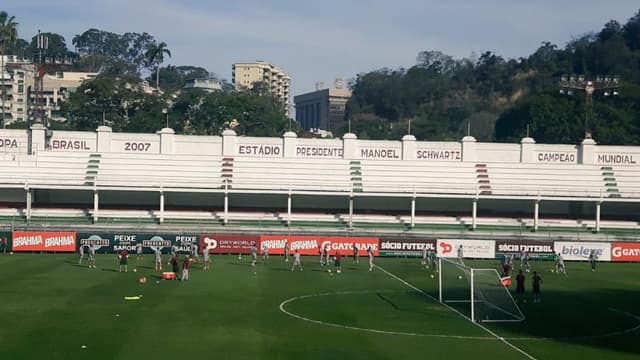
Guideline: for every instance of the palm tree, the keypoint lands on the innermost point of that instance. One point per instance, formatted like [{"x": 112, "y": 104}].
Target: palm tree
[
  {"x": 8, "y": 35},
  {"x": 155, "y": 55}
]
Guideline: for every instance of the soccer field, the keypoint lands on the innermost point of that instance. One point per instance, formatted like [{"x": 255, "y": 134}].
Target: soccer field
[{"x": 51, "y": 307}]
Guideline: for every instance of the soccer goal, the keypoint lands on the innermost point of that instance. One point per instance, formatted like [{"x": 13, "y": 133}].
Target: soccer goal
[{"x": 477, "y": 293}]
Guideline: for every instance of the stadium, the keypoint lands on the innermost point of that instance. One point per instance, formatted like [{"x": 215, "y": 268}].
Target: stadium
[{"x": 61, "y": 191}]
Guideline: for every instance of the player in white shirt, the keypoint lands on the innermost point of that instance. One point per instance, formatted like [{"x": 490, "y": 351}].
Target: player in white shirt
[
  {"x": 424, "y": 255},
  {"x": 194, "y": 252},
  {"x": 81, "y": 253},
  {"x": 206, "y": 258},
  {"x": 460, "y": 253},
  {"x": 158, "y": 255},
  {"x": 560, "y": 268},
  {"x": 286, "y": 251},
  {"x": 296, "y": 261},
  {"x": 265, "y": 253},
  {"x": 370, "y": 252},
  {"x": 92, "y": 257},
  {"x": 139, "y": 250},
  {"x": 254, "y": 254}
]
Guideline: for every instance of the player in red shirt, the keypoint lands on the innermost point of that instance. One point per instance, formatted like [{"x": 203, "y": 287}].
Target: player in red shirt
[
  {"x": 338, "y": 262},
  {"x": 124, "y": 260}
]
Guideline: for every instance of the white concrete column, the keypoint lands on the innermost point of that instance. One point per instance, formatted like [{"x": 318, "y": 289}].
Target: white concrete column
[
  {"x": 468, "y": 149},
  {"x": 598, "y": 216},
  {"x": 349, "y": 145},
  {"x": 290, "y": 142},
  {"x": 408, "y": 147},
  {"x": 95, "y": 206},
  {"x": 167, "y": 141},
  {"x": 536, "y": 213},
  {"x": 229, "y": 138},
  {"x": 474, "y": 214},
  {"x": 289, "y": 209},
  {"x": 38, "y": 140},
  {"x": 28, "y": 203},
  {"x": 161, "y": 206},
  {"x": 587, "y": 152},
  {"x": 226, "y": 207},
  {"x": 413, "y": 212},
  {"x": 103, "y": 139},
  {"x": 527, "y": 150}
]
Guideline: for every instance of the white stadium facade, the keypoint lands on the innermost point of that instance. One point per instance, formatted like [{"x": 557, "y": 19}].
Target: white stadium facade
[{"x": 103, "y": 177}]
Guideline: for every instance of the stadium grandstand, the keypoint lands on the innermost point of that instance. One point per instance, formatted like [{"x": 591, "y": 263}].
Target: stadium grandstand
[{"x": 104, "y": 177}]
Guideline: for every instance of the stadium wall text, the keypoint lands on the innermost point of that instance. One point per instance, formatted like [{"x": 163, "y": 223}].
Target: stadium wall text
[
  {"x": 68, "y": 241},
  {"x": 165, "y": 141}
]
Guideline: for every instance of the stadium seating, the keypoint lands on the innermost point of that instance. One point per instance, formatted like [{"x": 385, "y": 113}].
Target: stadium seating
[{"x": 45, "y": 168}]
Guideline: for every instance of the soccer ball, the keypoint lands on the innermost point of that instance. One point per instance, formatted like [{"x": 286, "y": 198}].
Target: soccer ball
[
  {"x": 432, "y": 276},
  {"x": 460, "y": 277},
  {"x": 142, "y": 280},
  {"x": 135, "y": 270},
  {"x": 329, "y": 270}
]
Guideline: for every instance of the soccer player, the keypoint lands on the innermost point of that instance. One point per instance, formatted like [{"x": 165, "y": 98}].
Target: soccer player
[
  {"x": 321, "y": 251},
  {"x": 460, "y": 253},
  {"x": 355, "y": 253},
  {"x": 92, "y": 257},
  {"x": 537, "y": 280},
  {"x": 81, "y": 253},
  {"x": 424, "y": 256},
  {"x": 139, "y": 250},
  {"x": 520, "y": 279},
  {"x": 338, "y": 262},
  {"x": 265, "y": 253},
  {"x": 174, "y": 250},
  {"x": 158, "y": 253},
  {"x": 560, "y": 265},
  {"x": 4, "y": 243},
  {"x": 254, "y": 254},
  {"x": 524, "y": 261},
  {"x": 296, "y": 260},
  {"x": 185, "y": 268},
  {"x": 206, "y": 259},
  {"x": 506, "y": 266},
  {"x": 370, "y": 252},
  {"x": 325, "y": 252},
  {"x": 194, "y": 251},
  {"x": 286, "y": 251},
  {"x": 593, "y": 259},
  {"x": 174, "y": 263},
  {"x": 124, "y": 261}
]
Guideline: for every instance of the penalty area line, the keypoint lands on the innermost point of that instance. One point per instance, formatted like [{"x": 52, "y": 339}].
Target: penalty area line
[{"x": 503, "y": 340}]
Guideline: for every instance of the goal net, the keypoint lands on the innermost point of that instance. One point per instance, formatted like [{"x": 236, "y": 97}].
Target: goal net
[{"x": 477, "y": 293}]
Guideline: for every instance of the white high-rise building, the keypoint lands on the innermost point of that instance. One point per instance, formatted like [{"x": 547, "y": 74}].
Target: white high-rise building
[{"x": 244, "y": 75}]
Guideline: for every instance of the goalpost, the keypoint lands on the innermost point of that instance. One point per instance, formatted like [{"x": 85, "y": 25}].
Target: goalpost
[{"x": 477, "y": 293}]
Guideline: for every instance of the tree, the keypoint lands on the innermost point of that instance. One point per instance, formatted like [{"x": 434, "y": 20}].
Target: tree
[
  {"x": 155, "y": 55},
  {"x": 8, "y": 36}
]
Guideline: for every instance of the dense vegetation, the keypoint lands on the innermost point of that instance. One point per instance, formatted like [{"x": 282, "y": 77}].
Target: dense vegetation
[
  {"x": 498, "y": 98},
  {"x": 440, "y": 98}
]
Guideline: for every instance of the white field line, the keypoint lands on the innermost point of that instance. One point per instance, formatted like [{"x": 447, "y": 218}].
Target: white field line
[{"x": 505, "y": 341}]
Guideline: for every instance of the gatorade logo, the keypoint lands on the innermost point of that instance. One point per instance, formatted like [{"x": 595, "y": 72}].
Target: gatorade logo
[{"x": 445, "y": 248}]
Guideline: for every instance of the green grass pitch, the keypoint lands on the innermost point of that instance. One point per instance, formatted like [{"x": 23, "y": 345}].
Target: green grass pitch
[{"x": 50, "y": 308}]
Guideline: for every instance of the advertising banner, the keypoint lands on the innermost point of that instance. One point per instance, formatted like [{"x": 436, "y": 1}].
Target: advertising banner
[
  {"x": 116, "y": 242},
  {"x": 625, "y": 252},
  {"x": 478, "y": 249},
  {"x": 405, "y": 247},
  {"x": 310, "y": 245},
  {"x": 535, "y": 249},
  {"x": 580, "y": 251},
  {"x": 44, "y": 241},
  {"x": 228, "y": 244}
]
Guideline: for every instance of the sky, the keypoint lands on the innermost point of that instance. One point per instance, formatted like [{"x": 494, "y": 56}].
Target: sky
[{"x": 323, "y": 40}]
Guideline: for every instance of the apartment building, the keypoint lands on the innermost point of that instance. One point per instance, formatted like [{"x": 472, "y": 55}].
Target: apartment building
[
  {"x": 323, "y": 109},
  {"x": 244, "y": 75}
]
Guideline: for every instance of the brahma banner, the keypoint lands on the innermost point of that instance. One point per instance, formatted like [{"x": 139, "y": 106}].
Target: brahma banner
[
  {"x": 580, "y": 251},
  {"x": 477, "y": 249},
  {"x": 311, "y": 245},
  {"x": 625, "y": 252},
  {"x": 228, "y": 244},
  {"x": 44, "y": 241}
]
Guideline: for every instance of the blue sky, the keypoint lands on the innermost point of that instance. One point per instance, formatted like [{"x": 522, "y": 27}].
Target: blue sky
[{"x": 322, "y": 40}]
